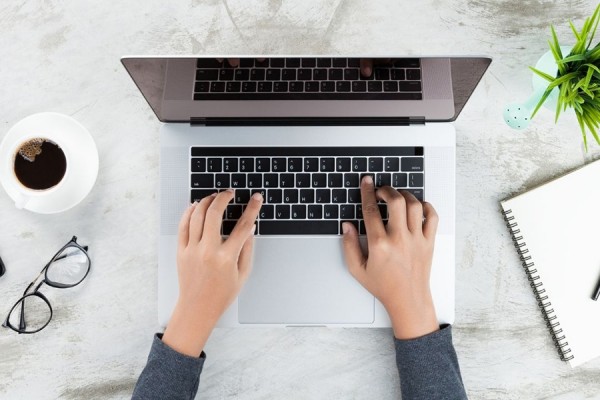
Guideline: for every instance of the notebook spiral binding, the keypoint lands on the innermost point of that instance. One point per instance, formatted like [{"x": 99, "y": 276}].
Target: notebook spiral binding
[{"x": 538, "y": 288}]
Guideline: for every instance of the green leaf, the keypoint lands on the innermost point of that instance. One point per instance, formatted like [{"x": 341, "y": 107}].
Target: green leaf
[
  {"x": 580, "y": 120},
  {"x": 542, "y": 100},
  {"x": 542, "y": 74},
  {"x": 576, "y": 57}
]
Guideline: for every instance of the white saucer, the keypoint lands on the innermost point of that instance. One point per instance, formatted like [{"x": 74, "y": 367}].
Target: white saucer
[{"x": 83, "y": 162}]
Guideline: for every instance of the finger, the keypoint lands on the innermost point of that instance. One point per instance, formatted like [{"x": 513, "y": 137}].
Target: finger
[
  {"x": 214, "y": 217},
  {"x": 366, "y": 67},
  {"x": 396, "y": 206},
  {"x": 414, "y": 212},
  {"x": 431, "y": 221},
  {"x": 245, "y": 225},
  {"x": 370, "y": 210},
  {"x": 184, "y": 226},
  {"x": 245, "y": 260},
  {"x": 197, "y": 218},
  {"x": 234, "y": 62},
  {"x": 355, "y": 259}
]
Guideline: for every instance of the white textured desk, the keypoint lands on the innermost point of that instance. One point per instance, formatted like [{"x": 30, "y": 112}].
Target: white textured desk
[{"x": 64, "y": 56}]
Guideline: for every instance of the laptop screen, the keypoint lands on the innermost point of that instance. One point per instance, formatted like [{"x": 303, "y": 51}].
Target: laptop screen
[{"x": 184, "y": 89}]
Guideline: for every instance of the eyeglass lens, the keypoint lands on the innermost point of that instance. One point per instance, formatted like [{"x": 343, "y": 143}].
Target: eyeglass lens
[
  {"x": 69, "y": 267},
  {"x": 36, "y": 313}
]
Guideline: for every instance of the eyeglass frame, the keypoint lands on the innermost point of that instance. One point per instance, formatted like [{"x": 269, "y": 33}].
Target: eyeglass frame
[{"x": 47, "y": 281}]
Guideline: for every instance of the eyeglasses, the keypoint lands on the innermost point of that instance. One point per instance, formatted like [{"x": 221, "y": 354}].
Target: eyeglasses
[{"x": 68, "y": 268}]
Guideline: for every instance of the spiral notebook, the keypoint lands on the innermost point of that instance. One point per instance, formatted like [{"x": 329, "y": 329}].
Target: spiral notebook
[{"x": 556, "y": 230}]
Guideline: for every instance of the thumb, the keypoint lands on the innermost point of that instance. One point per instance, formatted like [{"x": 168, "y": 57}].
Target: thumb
[{"x": 353, "y": 254}]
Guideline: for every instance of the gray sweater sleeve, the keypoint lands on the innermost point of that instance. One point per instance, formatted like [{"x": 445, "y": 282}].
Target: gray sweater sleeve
[
  {"x": 429, "y": 368},
  {"x": 168, "y": 374}
]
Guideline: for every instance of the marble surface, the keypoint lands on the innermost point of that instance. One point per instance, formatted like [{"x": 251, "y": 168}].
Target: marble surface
[{"x": 63, "y": 55}]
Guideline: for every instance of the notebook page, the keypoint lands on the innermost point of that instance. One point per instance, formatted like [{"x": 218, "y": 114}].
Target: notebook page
[{"x": 560, "y": 224}]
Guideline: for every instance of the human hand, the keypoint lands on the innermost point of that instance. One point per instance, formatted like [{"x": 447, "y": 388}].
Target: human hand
[
  {"x": 211, "y": 270},
  {"x": 366, "y": 65},
  {"x": 398, "y": 265}
]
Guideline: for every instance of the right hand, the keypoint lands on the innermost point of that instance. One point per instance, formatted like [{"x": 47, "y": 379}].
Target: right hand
[{"x": 398, "y": 265}]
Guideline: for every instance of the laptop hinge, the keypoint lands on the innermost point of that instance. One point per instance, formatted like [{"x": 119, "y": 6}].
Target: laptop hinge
[{"x": 305, "y": 121}]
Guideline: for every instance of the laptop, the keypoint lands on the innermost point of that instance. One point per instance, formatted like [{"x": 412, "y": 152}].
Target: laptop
[{"x": 303, "y": 130}]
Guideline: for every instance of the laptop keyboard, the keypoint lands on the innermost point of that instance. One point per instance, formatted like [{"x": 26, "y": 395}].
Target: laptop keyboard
[
  {"x": 307, "y": 79},
  {"x": 306, "y": 190}
]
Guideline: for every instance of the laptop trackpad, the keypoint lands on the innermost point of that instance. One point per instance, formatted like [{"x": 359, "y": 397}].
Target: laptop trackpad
[{"x": 302, "y": 281}]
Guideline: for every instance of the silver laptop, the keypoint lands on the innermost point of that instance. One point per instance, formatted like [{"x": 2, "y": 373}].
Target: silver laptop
[{"x": 302, "y": 130}]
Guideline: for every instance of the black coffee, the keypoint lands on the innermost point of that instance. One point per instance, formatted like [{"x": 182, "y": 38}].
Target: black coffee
[{"x": 40, "y": 164}]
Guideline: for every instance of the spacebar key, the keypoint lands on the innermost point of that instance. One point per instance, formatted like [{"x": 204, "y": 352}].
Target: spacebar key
[{"x": 298, "y": 227}]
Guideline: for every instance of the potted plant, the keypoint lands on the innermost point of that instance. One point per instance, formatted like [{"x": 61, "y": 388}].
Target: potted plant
[{"x": 577, "y": 79}]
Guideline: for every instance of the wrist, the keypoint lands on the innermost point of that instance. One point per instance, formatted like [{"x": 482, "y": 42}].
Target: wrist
[
  {"x": 414, "y": 318},
  {"x": 188, "y": 329}
]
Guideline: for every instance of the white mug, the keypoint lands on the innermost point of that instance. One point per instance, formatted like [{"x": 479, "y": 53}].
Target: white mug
[{"x": 81, "y": 162}]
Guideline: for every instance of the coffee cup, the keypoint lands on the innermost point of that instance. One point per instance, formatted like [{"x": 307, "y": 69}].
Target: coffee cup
[{"x": 49, "y": 163}]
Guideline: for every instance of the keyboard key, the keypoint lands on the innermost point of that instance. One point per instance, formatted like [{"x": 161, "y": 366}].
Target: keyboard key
[
  {"x": 267, "y": 211},
  {"x": 354, "y": 62},
  {"x": 246, "y": 165},
  {"x": 303, "y": 180},
  {"x": 265, "y": 87},
  {"x": 315, "y": 211},
  {"x": 242, "y": 196},
  {"x": 362, "y": 229},
  {"x": 339, "y": 62},
  {"x": 233, "y": 87},
  {"x": 342, "y": 86},
  {"x": 415, "y": 180},
  {"x": 228, "y": 227},
  {"x": 282, "y": 211},
  {"x": 407, "y": 63},
  {"x": 246, "y": 62},
  {"x": 353, "y": 222},
  {"x": 327, "y": 164},
  {"x": 399, "y": 180},
  {"x": 263, "y": 164},
  {"x": 342, "y": 164},
  {"x": 324, "y": 62},
  {"x": 304, "y": 75},
  {"x": 311, "y": 86},
  {"x": 323, "y": 196},
  {"x": 290, "y": 196},
  {"x": 257, "y": 74},
  {"x": 298, "y": 211},
  {"x": 319, "y": 180},
  {"x": 327, "y": 86},
  {"x": 296, "y": 86},
  {"x": 359, "y": 164},
  {"x": 375, "y": 164},
  {"x": 311, "y": 164},
  {"x": 261, "y": 64},
  {"x": 209, "y": 63},
  {"x": 271, "y": 180},
  {"x": 273, "y": 74},
  {"x": 309, "y": 62},
  {"x": 410, "y": 86},
  {"x": 383, "y": 211},
  {"x": 214, "y": 165},
  {"x": 238, "y": 181},
  {"x": 298, "y": 227},
  {"x": 347, "y": 211},
  {"x": 226, "y": 74},
  {"x": 320, "y": 74},
  {"x": 359, "y": 213},
  {"x": 374, "y": 86},
  {"x": 335, "y": 180},
  {"x": 278, "y": 164},
  {"x": 288, "y": 74},
  {"x": 255, "y": 180},
  {"x": 277, "y": 62},
  {"x": 201, "y": 86},
  {"x": 418, "y": 193},
  {"x": 392, "y": 164},
  {"x": 274, "y": 196},
  {"x": 351, "y": 180},
  {"x": 242, "y": 74},
  {"x": 412, "y": 164},
  {"x": 330, "y": 211},
  {"x": 292, "y": 62},
  {"x": 351, "y": 74},
  {"x": 198, "y": 165},
  {"x": 359, "y": 86},
  {"x": 248, "y": 87},
  {"x": 280, "y": 87},
  {"x": 286, "y": 180},
  {"x": 199, "y": 194},
  {"x": 217, "y": 87},
  {"x": 307, "y": 195},
  {"x": 390, "y": 86},
  {"x": 294, "y": 164},
  {"x": 413, "y": 74},
  {"x": 207, "y": 74},
  {"x": 203, "y": 181},
  {"x": 382, "y": 74},
  {"x": 336, "y": 74},
  {"x": 398, "y": 75},
  {"x": 384, "y": 179},
  {"x": 234, "y": 211},
  {"x": 354, "y": 196},
  {"x": 262, "y": 192},
  {"x": 338, "y": 196},
  {"x": 230, "y": 164}
]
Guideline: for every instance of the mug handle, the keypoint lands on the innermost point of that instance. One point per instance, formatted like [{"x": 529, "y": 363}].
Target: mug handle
[{"x": 21, "y": 201}]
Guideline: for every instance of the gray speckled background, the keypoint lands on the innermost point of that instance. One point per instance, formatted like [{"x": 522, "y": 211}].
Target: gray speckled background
[{"x": 60, "y": 55}]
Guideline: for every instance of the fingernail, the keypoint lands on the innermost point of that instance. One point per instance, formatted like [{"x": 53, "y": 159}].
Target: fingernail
[
  {"x": 257, "y": 196},
  {"x": 345, "y": 227},
  {"x": 214, "y": 194},
  {"x": 230, "y": 190},
  {"x": 368, "y": 179}
]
